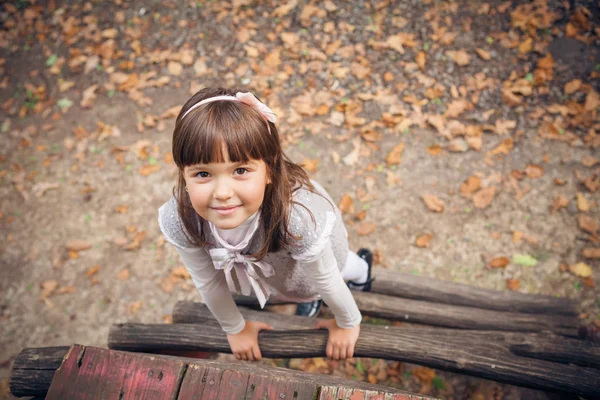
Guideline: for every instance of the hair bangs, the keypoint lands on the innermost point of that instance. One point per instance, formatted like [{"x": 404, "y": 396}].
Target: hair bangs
[{"x": 219, "y": 126}]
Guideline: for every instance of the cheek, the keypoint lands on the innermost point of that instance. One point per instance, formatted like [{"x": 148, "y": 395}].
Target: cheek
[{"x": 254, "y": 193}]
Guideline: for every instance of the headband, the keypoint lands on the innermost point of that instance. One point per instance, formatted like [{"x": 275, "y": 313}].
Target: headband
[{"x": 246, "y": 98}]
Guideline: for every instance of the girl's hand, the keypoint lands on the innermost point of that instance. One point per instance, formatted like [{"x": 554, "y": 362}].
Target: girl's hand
[
  {"x": 244, "y": 345},
  {"x": 340, "y": 344}
]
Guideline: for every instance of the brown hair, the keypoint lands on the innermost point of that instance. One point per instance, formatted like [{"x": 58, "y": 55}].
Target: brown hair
[{"x": 200, "y": 138}]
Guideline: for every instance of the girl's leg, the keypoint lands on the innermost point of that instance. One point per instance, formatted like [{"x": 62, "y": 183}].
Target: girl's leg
[{"x": 356, "y": 269}]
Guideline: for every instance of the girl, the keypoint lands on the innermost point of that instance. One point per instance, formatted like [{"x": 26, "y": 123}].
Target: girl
[{"x": 244, "y": 218}]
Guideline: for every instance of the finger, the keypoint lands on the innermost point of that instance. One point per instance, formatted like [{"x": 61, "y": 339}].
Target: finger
[
  {"x": 250, "y": 356},
  {"x": 256, "y": 353},
  {"x": 243, "y": 355},
  {"x": 329, "y": 349},
  {"x": 238, "y": 356},
  {"x": 336, "y": 352},
  {"x": 350, "y": 351}
]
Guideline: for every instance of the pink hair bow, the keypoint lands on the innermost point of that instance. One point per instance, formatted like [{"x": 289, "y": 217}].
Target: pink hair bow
[{"x": 246, "y": 98}]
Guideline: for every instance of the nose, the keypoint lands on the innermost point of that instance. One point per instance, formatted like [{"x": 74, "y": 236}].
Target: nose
[{"x": 223, "y": 190}]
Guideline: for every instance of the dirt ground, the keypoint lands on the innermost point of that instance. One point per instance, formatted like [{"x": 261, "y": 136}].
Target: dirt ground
[{"x": 502, "y": 92}]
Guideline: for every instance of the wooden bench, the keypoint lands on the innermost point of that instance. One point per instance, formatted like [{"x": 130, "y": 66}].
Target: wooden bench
[
  {"x": 526, "y": 340},
  {"x": 83, "y": 372}
]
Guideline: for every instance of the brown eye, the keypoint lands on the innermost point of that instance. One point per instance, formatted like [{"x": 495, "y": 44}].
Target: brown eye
[
  {"x": 202, "y": 174},
  {"x": 241, "y": 171}
]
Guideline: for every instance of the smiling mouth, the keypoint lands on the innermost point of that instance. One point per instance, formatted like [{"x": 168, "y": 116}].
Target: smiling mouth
[{"x": 225, "y": 210}]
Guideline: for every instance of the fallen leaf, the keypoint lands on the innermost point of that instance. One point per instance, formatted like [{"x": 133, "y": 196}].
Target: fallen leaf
[
  {"x": 460, "y": 57},
  {"x": 589, "y": 161},
  {"x": 582, "y": 204},
  {"x": 175, "y": 68},
  {"x": 456, "y": 108},
  {"x": 421, "y": 59},
  {"x": 395, "y": 156},
  {"x": 92, "y": 271},
  {"x": 48, "y": 288},
  {"x": 181, "y": 272},
  {"x": 513, "y": 284},
  {"x": 592, "y": 252},
  {"x": 483, "y": 54},
  {"x": 89, "y": 97},
  {"x": 133, "y": 308},
  {"x": 524, "y": 259},
  {"x": 433, "y": 203},
  {"x": 504, "y": 127},
  {"x": 517, "y": 236},
  {"x": 588, "y": 224},
  {"x": 559, "y": 202},
  {"x": 39, "y": 189},
  {"x": 365, "y": 228},
  {"x": 581, "y": 269},
  {"x": 434, "y": 149},
  {"x": 534, "y": 171},
  {"x": 470, "y": 186},
  {"x": 499, "y": 262},
  {"x": 484, "y": 197},
  {"x": 346, "y": 205},
  {"x": 66, "y": 290},
  {"x": 123, "y": 275},
  {"x": 78, "y": 245},
  {"x": 310, "y": 165},
  {"x": 572, "y": 86},
  {"x": 424, "y": 240}
]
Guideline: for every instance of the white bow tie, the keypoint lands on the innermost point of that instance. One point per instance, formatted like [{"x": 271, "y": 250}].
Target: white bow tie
[{"x": 244, "y": 270}]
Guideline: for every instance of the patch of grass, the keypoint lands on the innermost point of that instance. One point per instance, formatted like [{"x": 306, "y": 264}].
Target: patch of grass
[{"x": 437, "y": 382}]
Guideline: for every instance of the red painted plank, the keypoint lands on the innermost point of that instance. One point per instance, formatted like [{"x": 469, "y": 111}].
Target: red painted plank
[
  {"x": 192, "y": 385},
  {"x": 109, "y": 374},
  {"x": 271, "y": 388},
  {"x": 77, "y": 377},
  {"x": 233, "y": 384}
]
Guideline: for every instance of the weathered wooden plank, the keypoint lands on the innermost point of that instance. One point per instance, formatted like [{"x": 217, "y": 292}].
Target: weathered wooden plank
[
  {"x": 276, "y": 387},
  {"x": 454, "y": 316},
  {"x": 556, "y": 348},
  {"x": 33, "y": 371},
  {"x": 91, "y": 373},
  {"x": 394, "y": 283},
  {"x": 233, "y": 384},
  {"x": 482, "y": 354},
  {"x": 194, "y": 384}
]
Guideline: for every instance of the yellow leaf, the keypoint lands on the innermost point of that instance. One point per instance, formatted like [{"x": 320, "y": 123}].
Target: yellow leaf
[
  {"x": 581, "y": 269},
  {"x": 582, "y": 204}
]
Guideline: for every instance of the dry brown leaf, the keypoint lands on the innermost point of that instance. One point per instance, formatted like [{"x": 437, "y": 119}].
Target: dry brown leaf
[
  {"x": 588, "y": 224},
  {"x": 149, "y": 169},
  {"x": 572, "y": 86},
  {"x": 92, "y": 271},
  {"x": 484, "y": 197},
  {"x": 365, "y": 228},
  {"x": 175, "y": 68},
  {"x": 310, "y": 165},
  {"x": 434, "y": 149},
  {"x": 48, "y": 288},
  {"x": 592, "y": 101},
  {"x": 424, "y": 240},
  {"x": 78, "y": 245},
  {"x": 504, "y": 127},
  {"x": 534, "y": 171},
  {"x": 346, "y": 204},
  {"x": 123, "y": 275},
  {"x": 66, "y": 290},
  {"x": 433, "y": 203},
  {"x": 582, "y": 204},
  {"x": 395, "y": 156},
  {"x": 181, "y": 272},
  {"x": 456, "y": 108},
  {"x": 470, "y": 186},
  {"x": 589, "y": 161},
  {"x": 499, "y": 262},
  {"x": 591, "y": 252},
  {"x": 581, "y": 269},
  {"x": 421, "y": 60},
  {"x": 460, "y": 57},
  {"x": 133, "y": 308},
  {"x": 517, "y": 236},
  {"x": 513, "y": 284},
  {"x": 89, "y": 97},
  {"x": 559, "y": 202},
  {"x": 483, "y": 54}
]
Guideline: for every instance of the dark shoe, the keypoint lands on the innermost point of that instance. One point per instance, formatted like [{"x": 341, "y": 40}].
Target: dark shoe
[
  {"x": 310, "y": 309},
  {"x": 366, "y": 255}
]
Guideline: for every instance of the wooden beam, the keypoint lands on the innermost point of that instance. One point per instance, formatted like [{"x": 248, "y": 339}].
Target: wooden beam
[
  {"x": 545, "y": 346},
  {"x": 199, "y": 373},
  {"x": 394, "y": 283},
  {"x": 482, "y": 354},
  {"x": 33, "y": 370},
  {"x": 453, "y": 316}
]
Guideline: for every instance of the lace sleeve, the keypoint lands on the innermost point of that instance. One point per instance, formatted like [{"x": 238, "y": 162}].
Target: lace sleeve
[{"x": 172, "y": 227}]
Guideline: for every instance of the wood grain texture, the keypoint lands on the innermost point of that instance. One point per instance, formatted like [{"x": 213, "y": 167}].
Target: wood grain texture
[
  {"x": 261, "y": 381},
  {"x": 476, "y": 353},
  {"x": 92, "y": 373},
  {"x": 394, "y": 283}
]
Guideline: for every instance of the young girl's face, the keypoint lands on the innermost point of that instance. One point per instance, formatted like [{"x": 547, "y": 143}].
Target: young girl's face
[{"x": 226, "y": 193}]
